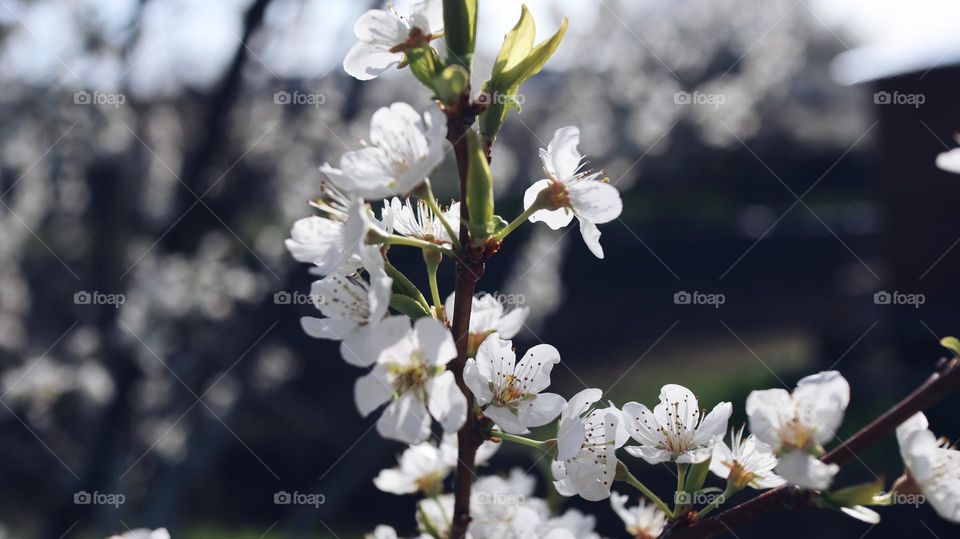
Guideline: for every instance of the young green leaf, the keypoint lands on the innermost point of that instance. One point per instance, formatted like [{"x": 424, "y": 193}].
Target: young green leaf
[{"x": 460, "y": 30}]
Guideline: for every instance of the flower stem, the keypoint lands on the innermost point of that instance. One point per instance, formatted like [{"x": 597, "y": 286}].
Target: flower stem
[
  {"x": 432, "y": 203},
  {"x": 433, "y": 262},
  {"x": 393, "y": 239},
  {"x": 522, "y": 218},
  {"x": 719, "y": 500},
  {"x": 624, "y": 475},
  {"x": 518, "y": 439}
]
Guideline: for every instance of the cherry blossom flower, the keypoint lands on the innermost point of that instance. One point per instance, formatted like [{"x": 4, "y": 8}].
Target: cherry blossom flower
[
  {"x": 420, "y": 222},
  {"x": 587, "y": 440},
  {"x": 144, "y": 533},
  {"x": 404, "y": 147},
  {"x": 321, "y": 239},
  {"x": 423, "y": 467},
  {"x": 409, "y": 375},
  {"x": 570, "y": 191},
  {"x": 950, "y": 160},
  {"x": 488, "y": 316},
  {"x": 577, "y": 524},
  {"x": 505, "y": 506},
  {"x": 933, "y": 467},
  {"x": 643, "y": 521},
  {"x": 747, "y": 462},
  {"x": 349, "y": 302},
  {"x": 383, "y": 36},
  {"x": 511, "y": 391},
  {"x": 674, "y": 430},
  {"x": 797, "y": 425}
]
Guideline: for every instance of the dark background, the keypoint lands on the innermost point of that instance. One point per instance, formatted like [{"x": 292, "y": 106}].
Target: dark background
[{"x": 199, "y": 397}]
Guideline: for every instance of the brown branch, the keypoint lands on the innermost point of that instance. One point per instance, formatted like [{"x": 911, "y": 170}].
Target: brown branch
[{"x": 941, "y": 383}]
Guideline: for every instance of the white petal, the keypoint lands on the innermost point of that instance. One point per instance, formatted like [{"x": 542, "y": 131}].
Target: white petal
[
  {"x": 714, "y": 425},
  {"x": 316, "y": 240},
  {"x": 596, "y": 201},
  {"x": 430, "y": 11},
  {"x": 393, "y": 481},
  {"x": 562, "y": 159},
  {"x": 372, "y": 390},
  {"x": 366, "y": 345},
  {"x": 379, "y": 26},
  {"x": 555, "y": 219},
  {"x": 642, "y": 425},
  {"x": 591, "y": 236},
  {"x": 950, "y": 161},
  {"x": 805, "y": 471},
  {"x": 447, "y": 403},
  {"x": 722, "y": 460},
  {"x": 766, "y": 410},
  {"x": 478, "y": 384},
  {"x": 327, "y": 328},
  {"x": 677, "y": 405},
  {"x": 579, "y": 403},
  {"x": 435, "y": 340},
  {"x": 570, "y": 437},
  {"x": 366, "y": 61},
  {"x": 505, "y": 419},
  {"x": 541, "y": 409},
  {"x": 650, "y": 454},
  {"x": 512, "y": 322},
  {"x": 406, "y": 420},
  {"x": 862, "y": 514},
  {"x": 826, "y": 395},
  {"x": 537, "y": 364}
]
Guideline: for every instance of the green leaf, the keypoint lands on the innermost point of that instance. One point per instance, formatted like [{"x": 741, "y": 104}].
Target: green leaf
[
  {"x": 402, "y": 285},
  {"x": 479, "y": 189},
  {"x": 862, "y": 494},
  {"x": 517, "y": 44},
  {"x": 533, "y": 62},
  {"x": 408, "y": 306},
  {"x": 952, "y": 344},
  {"x": 460, "y": 30}
]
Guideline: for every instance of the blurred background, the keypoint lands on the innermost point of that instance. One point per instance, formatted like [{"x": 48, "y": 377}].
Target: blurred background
[{"x": 783, "y": 215}]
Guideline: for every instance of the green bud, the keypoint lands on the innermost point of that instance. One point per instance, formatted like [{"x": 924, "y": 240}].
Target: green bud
[
  {"x": 862, "y": 494},
  {"x": 479, "y": 190},
  {"x": 952, "y": 344},
  {"x": 451, "y": 83},
  {"x": 460, "y": 30},
  {"x": 425, "y": 64}
]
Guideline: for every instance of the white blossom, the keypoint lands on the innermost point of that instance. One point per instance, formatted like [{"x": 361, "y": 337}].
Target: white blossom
[
  {"x": 950, "y": 160},
  {"x": 642, "y": 521},
  {"x": 144, "y": 533},
  {"x": 511, "y": 392},
  {"x": 420, "y": 222},
  {"x": 404, "y": 147},
  {"x": 571, "y": 523},
  {"x": 423, "y": 467},
  {"x": 747, "y": 462},
  {"x": 573, "y": 191},
  {"x": 488, "y": 316},
  {"x": 797, "y": 425},
  {"x": 587, "y": 440},
  {"x": 933, "y": 466},
  {"x": 382, "y": 35},
  {"x": 350, "y": 302},
  {"x": 409, "y": 375},
  {"x": 675, "y": 430},
  {"x": 321, "y": 239}
]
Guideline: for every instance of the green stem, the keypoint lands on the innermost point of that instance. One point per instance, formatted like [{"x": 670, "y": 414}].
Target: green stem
[
  {"x": 717, "y": 502},
  {"x": 432, "y": 203},
  {"x": 522, "y": 218},
  {"x": 682, "y": 476},
  {"x": 518, "y": 439},
  {"x": 635, "y": 483},
  {"x": 393, "y": 239},
  {"x": 433, "y": 262}
]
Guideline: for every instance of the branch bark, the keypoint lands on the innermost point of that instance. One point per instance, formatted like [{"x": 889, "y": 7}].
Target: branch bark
[{"x": 941, "y": 383}]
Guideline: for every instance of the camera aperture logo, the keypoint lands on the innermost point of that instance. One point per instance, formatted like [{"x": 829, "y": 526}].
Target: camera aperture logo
[
  {"x": 299, "y": 98},
  {"x": 95, "y": 297},
  {"x": 98, "y": 498},
  {"x": 699, "y": 98},
  {"x": 884, "y": 297},
  {"x": 297, "y": 298},
  {"x": 497, "y": 98},
  {"x": 84, "y": 97},
  {"x": 697, "y": 498},
  {"x": 299, "y": 498},
  {"x": 699, "y": 298},
  {"x": 896, "y": 98}
]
